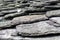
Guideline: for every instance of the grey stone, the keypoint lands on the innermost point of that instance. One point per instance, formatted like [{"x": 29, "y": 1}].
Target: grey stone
[
  {"x": 23, "y": 5},
  {"x": 7, "y": 12},
  {"x": 43, "y": 38},
  {"x": 28, "y": 19},
  {"x": 26, "y": 38},
  {"x": 20, "y": 12},
  {"x": 55, "y": 19},
  {"x": 12, "y": 15},
  {"x": 37, "y": 29},
  {"x": 53, "y": 13},
  {"x": 33, "y": 9},
  {"x": 53, "y": 23},
  {"x": 11, "y": 5},
  {"x": 4, "y": 24},
  {"x": 12, "y": 38},
  {"x": 37, "y": 13},
  {"x": 37, "y": 4},
  {"x": 47, "y": 38},
  {"x": 7, "y": 8},
  {"x": 8, "y": 32}
]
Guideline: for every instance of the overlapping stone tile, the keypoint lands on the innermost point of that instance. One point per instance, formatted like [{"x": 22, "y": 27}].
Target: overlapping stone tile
[
  {"x": 28, "y": 19},
  {"x": 37, "y": 29},
  {"x": 55, "y": 19},
  {"x": 5, "y": 24},
  {"x": 53, "y": 13},
  {"x": 8, "y": 32}
]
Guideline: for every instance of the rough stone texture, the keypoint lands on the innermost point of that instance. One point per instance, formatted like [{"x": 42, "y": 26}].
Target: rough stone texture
[
  {"x": 53, "y": 13},
  {"x": 5, "y": 24},
  {"x": 28, "y": 19},
  {"x": 33, "y": 19},
  {"x": 55, "y": 19},
  {"x": 50, "y": 22},
  {"x": 36, "y": 29},
  {"x": 8, "y": 32}
]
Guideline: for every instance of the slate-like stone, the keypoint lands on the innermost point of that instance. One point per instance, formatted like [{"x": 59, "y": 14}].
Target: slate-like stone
[
  {"x": 37, "y": 4},
  {"x": 2, "y": 13},
  {"x": 9, "y": 11},
  {"x": 53, "y": 23},
  {"x": 37, "y": 13},
  {"x": 44, "y": 38},
  {"x": 33, "y": 9},
  {"x": 8, "y": 8},
  {"x": 55, "y": 19},
  {"x": 53, "y": 13},
  {"x": 8, "y": 32},
  {"x": 23, "y": 5},
  {"x": 28, "y": 19},
  {"x": 12, "y": 15},
  {"x": 37, "y": 29},
  {"x": 11, "y": 38},
  {"x": 11, "y": 5},
  {"x": 4, "y": 24}
]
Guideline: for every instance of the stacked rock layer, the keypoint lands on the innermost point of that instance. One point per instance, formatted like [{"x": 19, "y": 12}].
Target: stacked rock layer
[{"x": 30, "y": 20}]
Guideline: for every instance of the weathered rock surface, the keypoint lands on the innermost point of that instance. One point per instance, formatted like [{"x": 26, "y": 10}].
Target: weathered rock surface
[
  {"x": 53, "y": 13},
  {"x": 28, "y": 19},
  {"x": 36, "y": 29},
  {"x": 50, "y": 22},
  {"x": 55, "y": 19},
  {"x": 8, "y": 32},
  {"x": 7, "y": 8},
  {"x": 5, "y": 24},
  {"x": 7, "y": 12},
  {"x": 20, "y": 38},
  {"x": 38, "y": 18}
]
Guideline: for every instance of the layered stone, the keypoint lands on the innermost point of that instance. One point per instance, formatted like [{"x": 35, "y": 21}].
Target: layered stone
[{"x": 37, "y": 29}]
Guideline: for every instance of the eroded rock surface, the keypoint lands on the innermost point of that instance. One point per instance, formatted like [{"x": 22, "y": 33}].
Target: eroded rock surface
[
  {"x": 36, "y": 29},
  {"x": 30, "y": 20}
]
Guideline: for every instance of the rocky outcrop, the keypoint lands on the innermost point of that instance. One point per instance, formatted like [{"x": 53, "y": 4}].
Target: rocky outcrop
[{"x": 30, "y": 20}]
